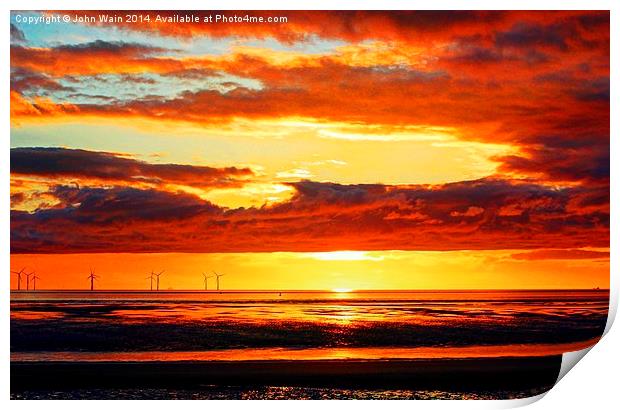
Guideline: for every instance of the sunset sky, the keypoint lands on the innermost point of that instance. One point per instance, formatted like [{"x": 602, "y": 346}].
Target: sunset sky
[{"x": 362, "y": 150}]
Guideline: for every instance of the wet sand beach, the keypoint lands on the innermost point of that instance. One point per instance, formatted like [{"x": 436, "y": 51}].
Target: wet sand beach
[
  {"x": 443, "y": 374},
  {"x": 409, "y": 345}
]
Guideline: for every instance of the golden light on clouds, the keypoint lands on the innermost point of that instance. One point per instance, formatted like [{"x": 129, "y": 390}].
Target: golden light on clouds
[
  {"x": 251, "y": 194},
  {"x": 338, "y": 139}
]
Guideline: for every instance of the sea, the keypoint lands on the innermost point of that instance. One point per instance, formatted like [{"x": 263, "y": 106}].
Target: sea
[{"x": 273, "y": 325}]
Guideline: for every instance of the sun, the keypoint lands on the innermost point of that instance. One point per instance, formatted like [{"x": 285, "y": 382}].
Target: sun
[{"x": 342, "y": 290}]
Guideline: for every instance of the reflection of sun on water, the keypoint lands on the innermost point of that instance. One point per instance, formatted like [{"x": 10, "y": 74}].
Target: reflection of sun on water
[{"x": 342, "y": 313}]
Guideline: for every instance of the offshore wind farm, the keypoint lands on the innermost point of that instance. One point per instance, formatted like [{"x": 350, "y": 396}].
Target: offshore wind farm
[{"x": 153, "y": 278}]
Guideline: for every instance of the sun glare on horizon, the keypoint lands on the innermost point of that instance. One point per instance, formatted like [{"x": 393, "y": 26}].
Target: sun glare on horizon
[{"x": 342, "y": 290}]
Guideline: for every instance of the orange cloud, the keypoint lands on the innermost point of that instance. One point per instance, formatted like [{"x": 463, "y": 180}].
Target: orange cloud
[
  {"x": 493, "y": 102},
  {"x": 38, "y": 107},
  {"x": 350, "y": 26},
  {"x": 319, "y": 217},
  {"x": 561, "y": 254},
  {"x": 98, "y": 57},
  {"x": 538, "y": 81}
]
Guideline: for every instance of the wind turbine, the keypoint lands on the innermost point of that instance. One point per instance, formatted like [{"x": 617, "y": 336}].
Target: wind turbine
[
  {"x": 151, "y": 277},
  {"x": 158, "y": 275},
  {"x": 217, "y": 278},
  {"x": 206, "y": 280},
  {"x": 34, "y": 281},
  {"x": 28, "y": 279},
  {"x": 19, "y": 277},
  {"x": 92, "y": 278}
]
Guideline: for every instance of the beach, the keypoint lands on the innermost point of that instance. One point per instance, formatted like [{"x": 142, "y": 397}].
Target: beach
[
  {"x": 448, "y": 375},
  {"x": 411, "y": 345}
]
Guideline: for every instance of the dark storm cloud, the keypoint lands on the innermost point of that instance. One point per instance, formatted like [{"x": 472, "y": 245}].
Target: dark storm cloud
[
  {"x": 115, "y": 168},
  {"x": 482, "y": 214}
]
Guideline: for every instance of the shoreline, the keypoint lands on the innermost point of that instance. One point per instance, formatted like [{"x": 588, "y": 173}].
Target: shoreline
[{"x": 309, "y": 354}]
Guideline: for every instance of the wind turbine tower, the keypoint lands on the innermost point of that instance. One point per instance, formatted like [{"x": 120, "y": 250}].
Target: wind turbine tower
[
  {"x": 151, "y": 277},
  {"x": 206, "y": 280},
  {"x": 34, "y": 281},
  {"x": 158, "y": 275},
  {"x": 217, "y": 278},
  {"x": 92, "y": 278},
  {"x": 28, "y": 279},
  {"x": 19, "y": 277}
]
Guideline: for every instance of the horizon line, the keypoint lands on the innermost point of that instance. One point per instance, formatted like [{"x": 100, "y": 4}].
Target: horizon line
[{"x": 338, "y": 290}]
